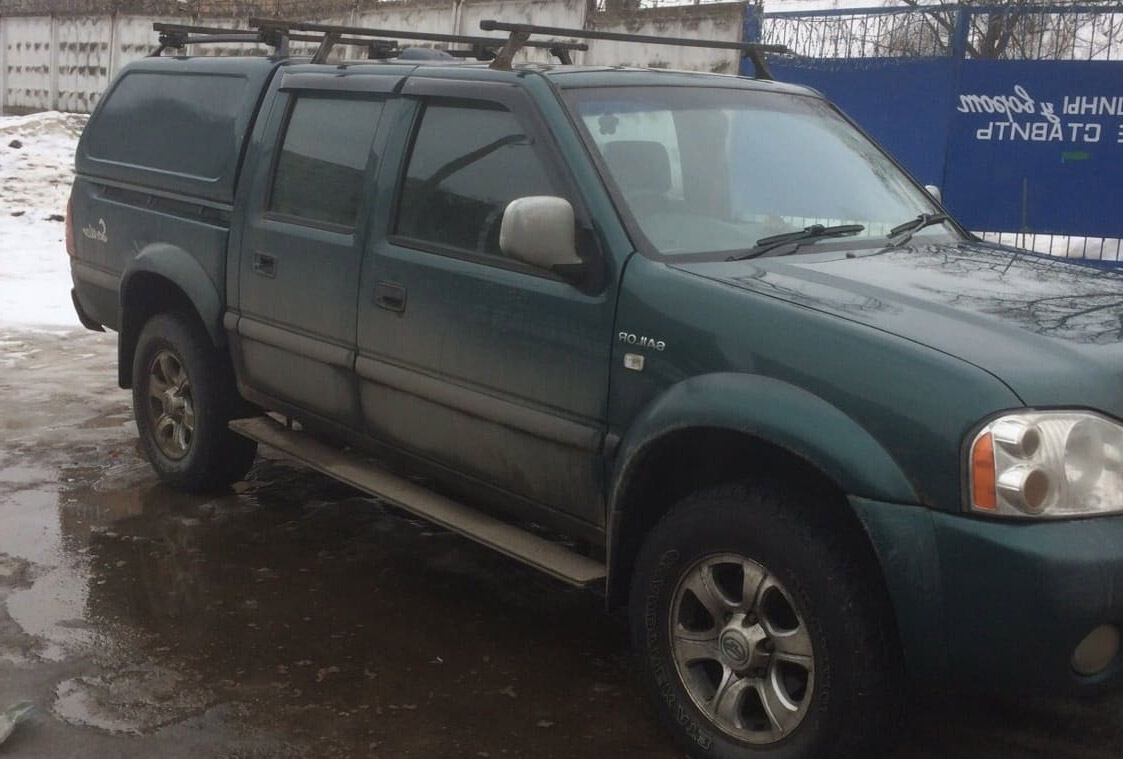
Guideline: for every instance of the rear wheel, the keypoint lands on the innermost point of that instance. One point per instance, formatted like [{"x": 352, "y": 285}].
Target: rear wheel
[
  {"x": 763, "y": 631},
  {"x": 183, "y": 397}
]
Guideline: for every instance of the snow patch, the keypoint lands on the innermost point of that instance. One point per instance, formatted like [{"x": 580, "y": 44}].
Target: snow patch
[{"x": 36, "y": 171}]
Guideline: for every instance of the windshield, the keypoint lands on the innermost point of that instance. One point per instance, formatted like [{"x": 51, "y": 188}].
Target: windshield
[{"x": 710, "y": 170}]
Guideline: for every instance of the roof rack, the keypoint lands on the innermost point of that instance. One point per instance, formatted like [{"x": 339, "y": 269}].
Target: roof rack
[
  {"x": 179, "y": 35},
  {"x": 329, "y": 35},
  {"x": 277, "y": 33},
  {"x": 520, "y": 36}
]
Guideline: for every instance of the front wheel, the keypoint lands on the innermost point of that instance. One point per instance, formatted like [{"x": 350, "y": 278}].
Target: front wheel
[
  {"x": 183, "y": 397},
  {"x": 763, "y": 631}
]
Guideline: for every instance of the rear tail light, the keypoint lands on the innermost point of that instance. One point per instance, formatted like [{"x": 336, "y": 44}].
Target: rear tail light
[{"x": 70, "y": 229}]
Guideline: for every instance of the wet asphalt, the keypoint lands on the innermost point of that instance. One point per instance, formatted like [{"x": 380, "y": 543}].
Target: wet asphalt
[{"x": 295, "y": 617}]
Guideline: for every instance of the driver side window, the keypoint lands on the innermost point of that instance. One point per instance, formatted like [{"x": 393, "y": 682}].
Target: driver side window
[{"x": 469, "y": 160}]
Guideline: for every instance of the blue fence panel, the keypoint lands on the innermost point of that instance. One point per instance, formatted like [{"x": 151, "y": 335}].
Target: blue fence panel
[
  {"x": 1015, "y": 145},
  {"x": 1055, "y": 155},
  {"x": 903, "y": 103}
]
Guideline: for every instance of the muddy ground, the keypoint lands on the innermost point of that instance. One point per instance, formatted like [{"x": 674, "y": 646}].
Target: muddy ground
[{"x": 294, "y": 617}]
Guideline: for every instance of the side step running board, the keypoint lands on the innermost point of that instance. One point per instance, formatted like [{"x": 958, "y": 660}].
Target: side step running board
[{"x": 365, "y": 475}]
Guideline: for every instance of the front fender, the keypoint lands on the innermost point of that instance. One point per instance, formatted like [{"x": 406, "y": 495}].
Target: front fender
[
  {"x": 185, "y": 272},
  {"x": 774, "y": 412}
]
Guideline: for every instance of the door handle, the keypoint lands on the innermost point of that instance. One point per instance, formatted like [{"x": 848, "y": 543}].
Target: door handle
[
  {"x": 265, "y": 264},
  {"x": 390, "y": 296}
]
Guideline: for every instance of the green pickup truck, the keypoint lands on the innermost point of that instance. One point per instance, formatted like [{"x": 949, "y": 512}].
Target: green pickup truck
[{"x": 691, "y": 339}]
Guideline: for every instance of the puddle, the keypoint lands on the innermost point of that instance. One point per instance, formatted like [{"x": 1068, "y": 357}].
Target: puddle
[{"x": 133, "y": 701}]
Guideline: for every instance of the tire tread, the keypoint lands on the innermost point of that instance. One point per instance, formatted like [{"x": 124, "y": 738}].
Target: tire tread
[
  {"x": 874, "y": 697},
  {"x": 219, "y": 456}
]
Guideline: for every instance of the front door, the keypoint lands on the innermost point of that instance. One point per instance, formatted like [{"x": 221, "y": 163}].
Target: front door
[
  {"x": 475, "y": 361},
  {"x": 301, "y": 250}
]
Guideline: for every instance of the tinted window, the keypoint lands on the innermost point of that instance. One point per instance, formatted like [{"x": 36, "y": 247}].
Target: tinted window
[
  {"x": 469, "y": 161},
  {"x": 320, "y": 169},
  {"x": 183, "y": 123}
]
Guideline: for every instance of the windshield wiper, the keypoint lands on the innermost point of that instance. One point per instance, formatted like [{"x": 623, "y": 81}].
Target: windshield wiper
[
  {"x": 813, "y": 232},
  {"x": 911, "y": 227}
]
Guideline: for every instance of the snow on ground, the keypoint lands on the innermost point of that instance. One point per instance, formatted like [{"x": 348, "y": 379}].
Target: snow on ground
[{"x": 35, "y": 182}]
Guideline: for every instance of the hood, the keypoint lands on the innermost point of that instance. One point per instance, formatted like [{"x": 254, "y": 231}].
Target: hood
[{"x": 1050, "y": 328}]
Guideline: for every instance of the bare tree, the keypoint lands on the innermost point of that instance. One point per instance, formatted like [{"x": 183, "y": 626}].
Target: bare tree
[{"x": 1015, "y": 29}]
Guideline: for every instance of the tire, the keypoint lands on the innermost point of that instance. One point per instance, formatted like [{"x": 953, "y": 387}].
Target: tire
[
  {"x": 183, "y": 430},
  {"x": 787, "y": 579}
]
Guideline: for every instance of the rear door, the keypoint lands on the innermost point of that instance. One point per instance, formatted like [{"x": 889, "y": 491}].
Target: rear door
[
  {"x": 473, "y": 360},
  {"x": 301, "y": 244}
]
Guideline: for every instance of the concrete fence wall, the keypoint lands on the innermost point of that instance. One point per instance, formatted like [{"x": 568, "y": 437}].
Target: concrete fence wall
[
  {"x": 716, "y": 21},
  {"x": 66, "y": 60}
]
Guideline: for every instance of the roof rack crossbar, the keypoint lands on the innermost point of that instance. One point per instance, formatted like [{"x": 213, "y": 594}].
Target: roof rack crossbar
[
  {"x": 751, "y": 50},
  {"x": 160, "y": 26},
  {"x": 391, "y": 45},
  {"x": 180, "y": 35},
  {"x": 484, "y": 48},
  {"x": 179, "y": 39}
]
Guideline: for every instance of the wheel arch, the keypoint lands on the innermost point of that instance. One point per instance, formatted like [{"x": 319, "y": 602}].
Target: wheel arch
[
  {"x": 164, "y": 277},
  {"x": 712, "y": 429}
]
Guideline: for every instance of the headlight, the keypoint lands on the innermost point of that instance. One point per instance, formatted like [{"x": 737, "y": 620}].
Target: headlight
[{"x": 1047, "y": 464}]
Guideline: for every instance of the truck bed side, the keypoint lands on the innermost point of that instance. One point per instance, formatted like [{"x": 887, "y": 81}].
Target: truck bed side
[{"x": 156, "y": 173}]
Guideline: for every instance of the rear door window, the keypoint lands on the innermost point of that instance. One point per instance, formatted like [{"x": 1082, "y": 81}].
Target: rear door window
[
  {"x": 469, "y": 160},
  {"x": 324, "y": 154}
]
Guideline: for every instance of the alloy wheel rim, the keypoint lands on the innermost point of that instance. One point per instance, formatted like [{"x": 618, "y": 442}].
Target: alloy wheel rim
[
  {"x": 742, "y": 649},
  {"x": 171, "y": 406}
]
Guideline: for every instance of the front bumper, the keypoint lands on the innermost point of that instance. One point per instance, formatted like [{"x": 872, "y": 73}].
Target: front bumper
[{"x": 1000, "y": 605}]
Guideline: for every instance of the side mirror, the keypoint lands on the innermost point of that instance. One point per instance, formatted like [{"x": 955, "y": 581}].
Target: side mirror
[
  {"x": 540, "y": 230},
  {"x": 934, "y": 191}
]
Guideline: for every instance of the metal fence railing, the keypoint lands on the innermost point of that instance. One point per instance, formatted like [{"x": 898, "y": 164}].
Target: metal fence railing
[
  {"x": 862, "y": 33},
  {"x": 1092, "y": 248},
  {"x": 1010, "y": 32}
]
